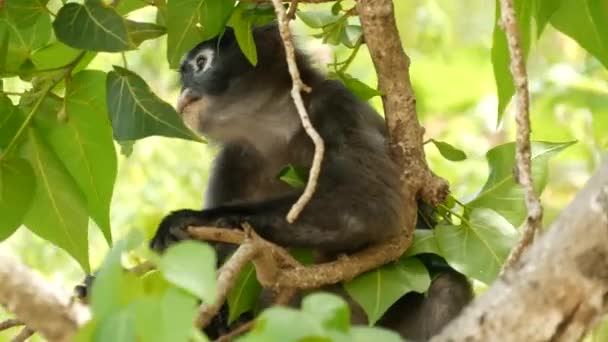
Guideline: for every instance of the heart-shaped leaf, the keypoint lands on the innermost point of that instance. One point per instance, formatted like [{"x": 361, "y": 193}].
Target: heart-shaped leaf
[
  {"x": 59, "y": 211},
  {"x": 377, "y": 290},
  {"x": 479, "y": 246},
  {"x": 190, "y": 265},
  {"x": 139, "y": 32},
  {"x": 330, "y": 309},
  {"x": 92, "y": 26},
  {"x": 424, "y": 242},
  {"x": 17, "y": 185},
  {"x": 136, "y": 112},
  {"x": 183, "y": 32},
  {"x": 500, "y": 192},
  {"x": 585, "y": 21},
  {"x": 18, "y": 43}
]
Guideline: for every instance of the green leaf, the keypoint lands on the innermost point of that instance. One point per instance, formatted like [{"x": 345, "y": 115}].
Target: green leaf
[
  {"x": 478, "y": 247},
  {"x": 93, "y": 27},
  {"x": 20, "y": 42},
  {"x": 139, "y": 32},
  {"x": 294, "y": 176},
  {"x": 544, "y": 10},
  {"x": 365, "y": 334},
  {"x": 377, "y": 290},
  {"x": 286, "y": 324},
  {"x": 585, "y": 21},
  {"x": 126, "y": 6},
  {"x": 351, "y": 35},
  {"x": 154, "y": 283},
  {"x": 166, "y": 318},
  {"x": 317, "y": 18},
  {"x": 500, "y": 192},
  {"x": 113, "y": 288},
  {"x": 58, "y": 212},
  {"x": 11, "y": 119},
  {"x": 330, "y": 309},
  {"x": 190, "y": 265},
  {"x": 500, "y": 52},
  {"x": 448, "y": 151},
  {"x": 244, "y": 295},
  {"x": 424, "y": 242},
  {"x": 183, "y": 32},
  {"x": 136, "y": 112},
  {"x": 17, "y": 185},
  {"x": 118, "y": 327},
  {"x": 54, "y": 55},
  {"x": 242, "y": 25},
  {"x": 214, "y": 15},
  {"x": 360, "y": 89},
  {"x": 25, "y": 13}
]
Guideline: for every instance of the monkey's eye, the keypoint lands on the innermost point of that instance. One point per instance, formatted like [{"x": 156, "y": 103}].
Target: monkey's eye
[{"x": 201, "y": 61}]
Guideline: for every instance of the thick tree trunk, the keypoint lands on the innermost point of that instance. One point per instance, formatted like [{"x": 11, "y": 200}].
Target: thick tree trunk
[{"x": 558, "y": 290}]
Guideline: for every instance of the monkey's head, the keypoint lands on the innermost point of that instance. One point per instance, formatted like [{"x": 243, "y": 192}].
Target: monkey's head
[{"x": 226, "y": 98}]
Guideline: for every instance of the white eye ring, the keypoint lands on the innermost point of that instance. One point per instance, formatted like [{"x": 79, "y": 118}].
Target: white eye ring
[{"x": 202, "y": 61}]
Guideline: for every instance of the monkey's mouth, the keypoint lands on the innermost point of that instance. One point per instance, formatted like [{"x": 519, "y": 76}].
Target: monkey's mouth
[{"x": 186, "y": 99}]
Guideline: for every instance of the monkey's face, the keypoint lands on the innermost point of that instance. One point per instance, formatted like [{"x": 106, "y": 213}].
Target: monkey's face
[{"x": 226, "y": 98}]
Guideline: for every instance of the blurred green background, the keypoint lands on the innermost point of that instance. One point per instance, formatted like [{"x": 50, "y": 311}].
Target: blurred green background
[{"x": 449, "y": 44}]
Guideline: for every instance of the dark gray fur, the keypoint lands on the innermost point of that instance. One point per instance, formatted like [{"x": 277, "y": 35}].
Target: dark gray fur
[{"x": 358, "y": 200}]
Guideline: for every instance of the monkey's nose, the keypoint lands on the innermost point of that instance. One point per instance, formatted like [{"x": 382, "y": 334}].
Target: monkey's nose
[{"x": 186, "y": 97}]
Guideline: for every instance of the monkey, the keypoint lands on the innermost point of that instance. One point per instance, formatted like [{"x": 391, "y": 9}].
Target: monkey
[{"x": 248, "y": 111}]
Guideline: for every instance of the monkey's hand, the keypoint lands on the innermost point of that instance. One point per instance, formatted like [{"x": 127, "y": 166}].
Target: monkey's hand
[{"x": 174, "y": 227}]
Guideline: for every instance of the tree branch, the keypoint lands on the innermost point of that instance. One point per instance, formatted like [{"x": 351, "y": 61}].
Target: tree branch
[
  {"x": 560, "y": 286},
  {"x": 522, "y": 118},
  {"x": 38, "y": 304},
  {"x": 297, "y": 87}
]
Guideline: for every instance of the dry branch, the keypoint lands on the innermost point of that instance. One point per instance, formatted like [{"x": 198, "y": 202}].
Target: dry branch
[
  {"x": 297, "y": 87},
  {"x": 522, "y": 118},
  {"x": 559, "y": 288},
  {"x": 40, "y": 305}
]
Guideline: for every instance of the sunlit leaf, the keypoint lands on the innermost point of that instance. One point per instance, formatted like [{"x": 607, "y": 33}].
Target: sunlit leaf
[
  {"x": 244, "y": 295},
  {"x": 25, "y": 13},
  {"x": 478, "y": 247},
  {"x": 424, "y": 242},
  {"x": 285, "y": 324},
  {"x": 126, "y": 6},
  {"x": 17, "y": 186},
  {"x": 365, "y": 334},
  {"x": 20, "y": 42},
  {"x": 295, "y": 176},
  {"x": 190, "y": 265},
  {"x": 183, "y": 32},
  {"x": 139, "y": 32},
  {"x": 136, "y": 112},
  {"x": 59, "y": 210},
  {"x": 317, "y": 18},
  {"x": 118, "y": 327},
  {"x": 214, "y": 15},
  {"x": 113, "y": 288},
  {"x": 351, "y": 35},
  {"x": 585, "y": 21},
  {"x": 524, "y": 10},
  {"x": 544, "y": 11},
  {"x": 242, "y": 25},
  {"x": 448, "y": 151},
  {"x": 92, "y": 26},
  {"x": 329, "y": 309},
  {"x": 58, "y": 55},
  {"x": 378, "y": 289},
  {"x": 500, "y": 192}
]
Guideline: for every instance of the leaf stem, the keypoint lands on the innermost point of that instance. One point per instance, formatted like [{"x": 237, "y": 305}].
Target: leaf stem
[
  {"x": 461, "y": 217},
  {"x": 34, "y": 109},
  {"x": 352, "y": 56},
  {"x": 124, "y": 60}
]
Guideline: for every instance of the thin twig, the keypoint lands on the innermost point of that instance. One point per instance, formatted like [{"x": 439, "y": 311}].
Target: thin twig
[
  {"x": 297, "y": 87},
  {"x": 241, "y": 329},
  {"x": 23, "y": 335},
  {"x": 522, "y": 118},
  {"x": 291, "y": 12},
  {"x": 226, "y": 279},
  {"x": 10, "y": 323}
]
